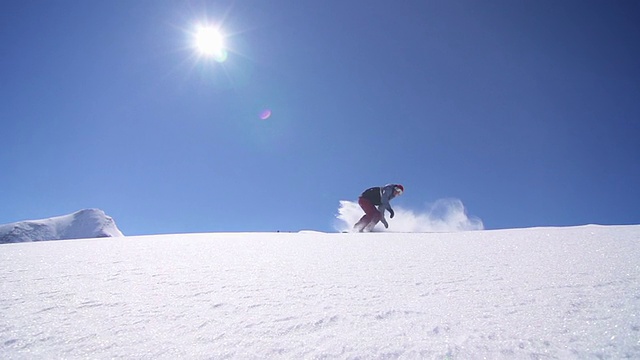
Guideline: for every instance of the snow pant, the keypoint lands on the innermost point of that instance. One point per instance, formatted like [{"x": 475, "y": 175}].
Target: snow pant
[{"x": 371, "y": 215}]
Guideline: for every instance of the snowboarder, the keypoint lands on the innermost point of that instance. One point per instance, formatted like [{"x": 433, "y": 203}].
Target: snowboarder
[{"x": 376, "y": 196}]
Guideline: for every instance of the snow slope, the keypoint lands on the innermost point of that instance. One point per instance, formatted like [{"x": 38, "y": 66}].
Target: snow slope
[
  {"x": 87, "y": 223},
  {"x": 522, "y": 293}
]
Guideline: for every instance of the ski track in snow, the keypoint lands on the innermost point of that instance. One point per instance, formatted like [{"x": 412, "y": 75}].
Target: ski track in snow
[{"x": 524, "y": 293}]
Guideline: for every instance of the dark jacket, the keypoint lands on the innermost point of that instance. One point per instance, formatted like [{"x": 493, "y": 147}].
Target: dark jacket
[{"x": 380, "y": 196}]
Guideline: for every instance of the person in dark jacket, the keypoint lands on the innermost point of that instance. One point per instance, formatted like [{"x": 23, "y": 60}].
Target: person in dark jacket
[{"x": 380, "y": 197}]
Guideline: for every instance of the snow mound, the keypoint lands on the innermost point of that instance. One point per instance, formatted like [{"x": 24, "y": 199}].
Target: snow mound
[{"x": 87, "y": 223}]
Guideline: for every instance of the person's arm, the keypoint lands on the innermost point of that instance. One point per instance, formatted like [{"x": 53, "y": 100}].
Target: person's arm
[
  {"x": 385, "y": 198},
  {"x": 382, "y": 219}
]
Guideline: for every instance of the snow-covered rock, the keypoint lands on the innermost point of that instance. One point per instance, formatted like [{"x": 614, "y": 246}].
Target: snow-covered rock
[{"x": 87, "y": 223}]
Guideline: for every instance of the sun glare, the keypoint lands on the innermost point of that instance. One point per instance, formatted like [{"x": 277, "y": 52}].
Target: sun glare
[{"x": 210, "y": 43}]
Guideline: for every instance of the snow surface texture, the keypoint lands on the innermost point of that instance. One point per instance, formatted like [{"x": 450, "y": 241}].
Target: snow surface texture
[
  {"x": 88, "y": 223},
  {"x": 526, "y": 293},
  {"x": 445, "y": 215}
]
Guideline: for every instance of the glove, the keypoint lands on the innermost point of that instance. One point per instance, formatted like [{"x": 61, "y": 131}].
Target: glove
[
  {"x": 385, "y": 223},
  {"x": 391, "y": 213}
]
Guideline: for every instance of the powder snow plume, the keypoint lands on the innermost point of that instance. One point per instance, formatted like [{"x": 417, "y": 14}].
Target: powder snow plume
[{"x": 444, "y": 215}]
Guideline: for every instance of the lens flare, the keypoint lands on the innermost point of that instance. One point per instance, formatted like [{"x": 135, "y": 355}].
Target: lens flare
[{"x": 265, "y": 114}]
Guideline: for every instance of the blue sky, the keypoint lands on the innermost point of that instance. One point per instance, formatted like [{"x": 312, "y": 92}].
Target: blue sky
[{"x": 526, "y": 111}]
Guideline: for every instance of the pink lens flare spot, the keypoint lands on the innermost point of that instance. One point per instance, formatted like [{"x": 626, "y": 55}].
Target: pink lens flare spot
[{"x": 265, "y": 114}]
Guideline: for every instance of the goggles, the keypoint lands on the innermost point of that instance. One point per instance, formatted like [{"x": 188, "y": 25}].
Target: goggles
[{"x": 397, "y": 191}]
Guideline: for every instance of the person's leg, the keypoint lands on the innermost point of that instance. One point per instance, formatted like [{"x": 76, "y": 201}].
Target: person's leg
[
  {"x": 374, "y": 217},
  {"x": 370, "y": 212},
  {"x": 362, "y": 223}
]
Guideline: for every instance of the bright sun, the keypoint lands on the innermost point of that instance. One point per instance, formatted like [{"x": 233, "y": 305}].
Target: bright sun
[{"x": 210, "y": 42}]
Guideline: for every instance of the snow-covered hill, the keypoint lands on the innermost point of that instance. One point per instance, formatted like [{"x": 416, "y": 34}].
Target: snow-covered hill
[
  {"x": 88, "y": 223},
  {"x": 568, "y": 293}
]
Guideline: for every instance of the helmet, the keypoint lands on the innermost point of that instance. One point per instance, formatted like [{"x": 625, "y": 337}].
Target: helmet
[{"x": 398, "y": 188}]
